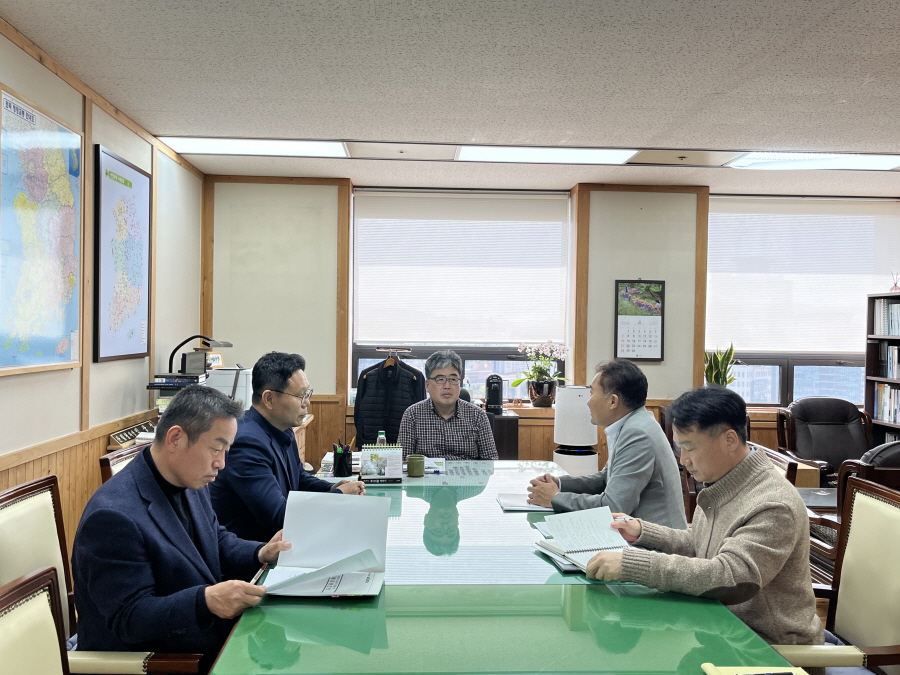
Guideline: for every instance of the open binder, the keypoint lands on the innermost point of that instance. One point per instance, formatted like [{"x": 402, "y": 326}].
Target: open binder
[
  {"x": 339, "y": 545},
  {"x": 579, "y": 535}
]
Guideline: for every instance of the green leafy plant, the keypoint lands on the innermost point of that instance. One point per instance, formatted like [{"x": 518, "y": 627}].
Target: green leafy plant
[
  {"x": 717, "y": 366},
  {"x": 543, "y": 359}
]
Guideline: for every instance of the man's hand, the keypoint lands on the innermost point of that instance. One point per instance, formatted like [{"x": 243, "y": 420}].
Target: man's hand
[
  {"x": 541, "y": 490},
  {"x": 629, "y": 528},
  {"x": 228, "y": 599},
  {"x": 605, "y": 566},
  {"x": 351, "y": 487},
  {"x": 269, "y": 552}
]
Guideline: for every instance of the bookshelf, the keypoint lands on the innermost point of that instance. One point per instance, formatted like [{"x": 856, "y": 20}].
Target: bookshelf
[{"x": 883, "y": 366}]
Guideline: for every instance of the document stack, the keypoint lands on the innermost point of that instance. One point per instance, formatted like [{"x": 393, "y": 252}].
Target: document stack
[{"x": 168, "y": 384}]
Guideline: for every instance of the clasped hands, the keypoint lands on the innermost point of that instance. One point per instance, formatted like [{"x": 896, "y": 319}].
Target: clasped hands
[
  {"x": 542, "y": 489},
  {"x": 230, "y": 598}
]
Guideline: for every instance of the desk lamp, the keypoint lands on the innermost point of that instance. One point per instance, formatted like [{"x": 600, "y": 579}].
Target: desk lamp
[
  {"x": 574, "y": 432},
  {"x": 207, "y": 342}
]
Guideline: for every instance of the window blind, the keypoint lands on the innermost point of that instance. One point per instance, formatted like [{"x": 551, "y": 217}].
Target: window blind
[
  {"x": 467, "y": 269},
  {"x": 792, "y": 275}
]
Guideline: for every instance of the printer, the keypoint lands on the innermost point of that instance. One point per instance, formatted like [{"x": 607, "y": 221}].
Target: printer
[{"x": 235, "y": 382}]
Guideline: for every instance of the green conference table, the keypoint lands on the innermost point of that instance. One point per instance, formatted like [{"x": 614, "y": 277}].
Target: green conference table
[{"x": 466, "y": 593}]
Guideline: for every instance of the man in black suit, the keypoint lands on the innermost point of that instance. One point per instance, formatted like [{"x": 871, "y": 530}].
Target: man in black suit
[
  {"x": 153, "y": 569},
  {"x": 250, "y": 495}
]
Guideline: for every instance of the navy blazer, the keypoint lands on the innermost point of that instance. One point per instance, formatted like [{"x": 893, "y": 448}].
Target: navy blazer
[
  {"x": 263, "y": 465},
  {"x": 139, "y": 577}
]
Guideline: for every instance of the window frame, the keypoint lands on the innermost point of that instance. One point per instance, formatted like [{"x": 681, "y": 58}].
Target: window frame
[
  {"x": 787, "y": 361},
  {"x": 466, "y": 353}
]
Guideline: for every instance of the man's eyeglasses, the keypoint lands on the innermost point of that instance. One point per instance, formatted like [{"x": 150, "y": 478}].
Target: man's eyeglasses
[
  {"x": 304, "y": 397},
  {"x": 441, "y": 380}
]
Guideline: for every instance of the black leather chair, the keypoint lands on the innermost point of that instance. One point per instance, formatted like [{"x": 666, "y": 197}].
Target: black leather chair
[{"x": 823, "y": 431}]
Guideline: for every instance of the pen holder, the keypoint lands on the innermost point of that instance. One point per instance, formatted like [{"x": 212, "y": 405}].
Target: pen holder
[
  {"x": 343, "y": 464},
  {"x": 415, "y": 466}
]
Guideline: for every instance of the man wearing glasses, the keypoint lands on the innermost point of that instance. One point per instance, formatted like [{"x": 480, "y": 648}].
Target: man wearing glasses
[
  {"x": 443, "y": 425},
  {"x": 250, "y": 494}
]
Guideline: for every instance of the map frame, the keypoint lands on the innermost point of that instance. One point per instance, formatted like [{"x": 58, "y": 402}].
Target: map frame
[
  {"x": 105, "y": 159},
  {"x": 78, "y": 296}
]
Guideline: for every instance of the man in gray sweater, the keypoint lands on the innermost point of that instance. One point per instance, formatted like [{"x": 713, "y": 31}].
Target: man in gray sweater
[
  {"x": 748, "y": 545},
  {"x": 641, "y": 475}
]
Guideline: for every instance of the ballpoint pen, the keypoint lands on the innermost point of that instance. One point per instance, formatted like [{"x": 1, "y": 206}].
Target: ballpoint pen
[{"x": 258, "y": 575}]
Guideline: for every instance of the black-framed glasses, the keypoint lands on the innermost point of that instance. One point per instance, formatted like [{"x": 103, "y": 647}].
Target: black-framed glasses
[
  {"x": 441, "y": 380},
  {"x": 304, "y": 397}
]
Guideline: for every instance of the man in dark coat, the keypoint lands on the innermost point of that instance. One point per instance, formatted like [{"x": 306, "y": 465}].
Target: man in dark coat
[
  {"x": 153, "y": 569},
  {"x": 250, "y": 496}
]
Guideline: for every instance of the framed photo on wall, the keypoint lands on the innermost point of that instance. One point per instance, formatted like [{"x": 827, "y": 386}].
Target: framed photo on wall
[
  {"x": 640, "y": 310},
  {"x": 121, "y": 258}
]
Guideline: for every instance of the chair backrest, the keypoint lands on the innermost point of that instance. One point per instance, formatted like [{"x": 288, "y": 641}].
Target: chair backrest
[
  {"x": 31, "y": 637},
  {"x": 888, "y": 476},
  {"x": 886, "y": 455},
  {"x": 113, "y": 462},
  {"x": 827, "y": 429},
  {"x": 783, "y": 463},
  {"x": 32, "y": 536},
  {"x": 867, "y": 611}
]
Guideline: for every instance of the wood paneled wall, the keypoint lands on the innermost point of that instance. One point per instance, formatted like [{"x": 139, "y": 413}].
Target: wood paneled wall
[
  {"x": 327, "y": 427},
  {"x": 77, "y": 466}
]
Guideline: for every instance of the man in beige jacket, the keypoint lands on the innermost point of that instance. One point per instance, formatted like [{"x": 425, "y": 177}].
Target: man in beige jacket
[{"x": 748, "y": 545}]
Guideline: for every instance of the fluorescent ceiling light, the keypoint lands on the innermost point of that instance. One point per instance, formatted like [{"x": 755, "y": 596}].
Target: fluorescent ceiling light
[
  {"x": 527, "y": 155},
  {"x": 254, "y": 146},
  {"x": 814, "y": 160}
]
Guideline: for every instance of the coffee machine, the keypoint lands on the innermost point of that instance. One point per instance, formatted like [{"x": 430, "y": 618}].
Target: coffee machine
[{"x": 493, "y": 394}]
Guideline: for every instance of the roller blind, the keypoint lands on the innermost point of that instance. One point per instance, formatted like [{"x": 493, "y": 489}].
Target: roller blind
[
  {"x": 792, "y": 275},
  {"x": 447, "y": 269}
]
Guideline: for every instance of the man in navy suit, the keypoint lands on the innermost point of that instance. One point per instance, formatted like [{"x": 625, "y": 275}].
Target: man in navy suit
[
  {"x": 154, "y": 570},
  {"x": 250, "y": 495}
]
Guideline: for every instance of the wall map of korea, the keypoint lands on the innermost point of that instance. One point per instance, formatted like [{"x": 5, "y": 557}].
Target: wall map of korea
[
  {"x": 123, "y": 253},
  {"x": 40, "y": 249}
]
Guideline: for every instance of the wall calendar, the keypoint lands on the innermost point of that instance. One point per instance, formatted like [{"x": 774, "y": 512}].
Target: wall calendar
[{"x": 640, "y": 307}]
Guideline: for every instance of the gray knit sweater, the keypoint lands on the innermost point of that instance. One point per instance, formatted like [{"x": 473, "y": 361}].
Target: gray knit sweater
[{"x": 748, "y": 546}]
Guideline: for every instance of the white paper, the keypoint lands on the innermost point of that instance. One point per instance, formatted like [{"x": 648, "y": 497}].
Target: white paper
[
  {"x": 518, "y": 502},
  {"x": 324, "y": 528},
  {"x": 352, "y": 583},
  {"x": 543, "y": 529},
  {"x": 285, "y": 577},
  {"x": 584, "y": 530}
]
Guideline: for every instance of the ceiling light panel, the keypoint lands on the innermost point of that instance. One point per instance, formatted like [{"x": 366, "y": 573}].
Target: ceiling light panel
[
  {"x": 532, "y": 155},
  {"x": 684, "y": 157},
  {"x": 813, "y": 161},
  {"x": 409, "y": 151},
  {"x": 261, "y": 147}
]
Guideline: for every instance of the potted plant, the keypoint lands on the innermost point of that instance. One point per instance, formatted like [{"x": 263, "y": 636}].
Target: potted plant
[
  {"x": 543, "y": 376},
  {"x": 717, "y": 366}
]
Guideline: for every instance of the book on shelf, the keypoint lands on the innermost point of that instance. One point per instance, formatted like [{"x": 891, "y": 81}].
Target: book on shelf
[
  {"x": 579, "y": 535},
  {"x": 180, "y": 378},
  {"x": 344, "y": 545}
]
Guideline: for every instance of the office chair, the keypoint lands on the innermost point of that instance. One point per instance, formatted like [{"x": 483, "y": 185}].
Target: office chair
[
  {"x": 32, "y": 536},
  {"x": 823, "y": 431},
  {"x": 31, "y": 625},
  {"x": 824, "y": 529},
  {"x": 113, "y": 462},
  {"x": 864, "y": 597}
]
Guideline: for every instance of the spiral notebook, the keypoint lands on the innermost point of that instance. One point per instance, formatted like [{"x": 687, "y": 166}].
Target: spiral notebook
[{"x": 579, "y": 535}]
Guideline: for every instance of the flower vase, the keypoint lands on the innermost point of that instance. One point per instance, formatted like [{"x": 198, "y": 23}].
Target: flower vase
[{"x": 542, "y": 393}]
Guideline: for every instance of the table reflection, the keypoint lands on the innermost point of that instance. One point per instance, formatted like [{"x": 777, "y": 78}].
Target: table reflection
[{"x": 514, "y": 629}]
